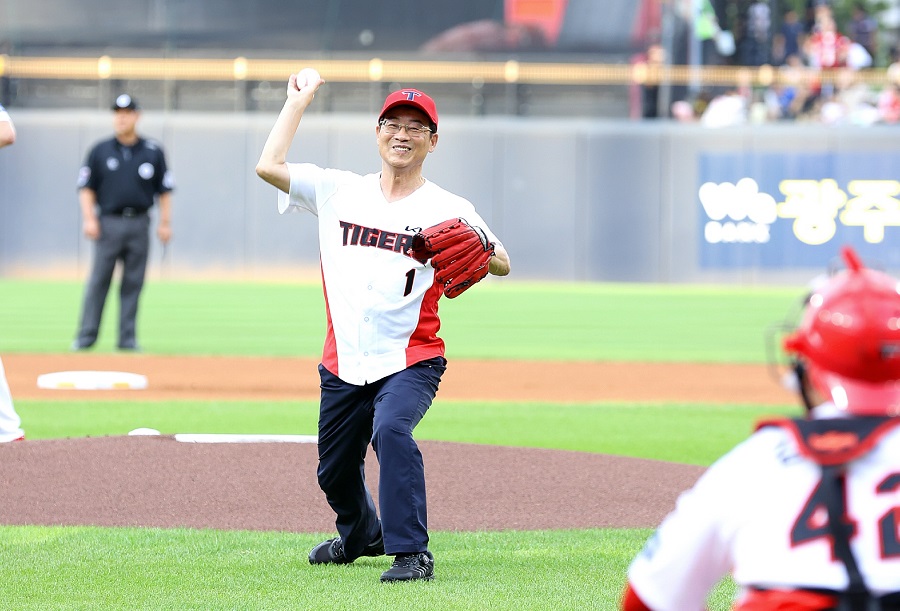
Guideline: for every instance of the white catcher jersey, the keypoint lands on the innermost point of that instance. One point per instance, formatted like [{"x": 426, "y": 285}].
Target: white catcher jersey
[
  {"x": 758, "y": 513},
  {"x": 381, "y": 304}
]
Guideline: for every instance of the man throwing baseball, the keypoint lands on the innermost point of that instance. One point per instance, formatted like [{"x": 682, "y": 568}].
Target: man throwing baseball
[
  {"x": 391, "y": 244},
  {"x": 805, "y": 514}
]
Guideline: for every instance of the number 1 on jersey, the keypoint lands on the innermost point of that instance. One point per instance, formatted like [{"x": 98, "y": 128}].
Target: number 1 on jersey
[{"x": 410, "y": 276}]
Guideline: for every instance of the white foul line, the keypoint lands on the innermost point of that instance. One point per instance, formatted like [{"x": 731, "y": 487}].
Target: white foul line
[{"x": 226, "y": 438}]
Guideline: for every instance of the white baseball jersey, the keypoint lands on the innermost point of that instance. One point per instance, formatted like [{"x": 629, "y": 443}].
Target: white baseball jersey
[
  {"x": 4, "y": 116},
  {"x": 758, "y": 513},
  {"x": 381, "y": 304},
  {"x": 10, "y": 423}
]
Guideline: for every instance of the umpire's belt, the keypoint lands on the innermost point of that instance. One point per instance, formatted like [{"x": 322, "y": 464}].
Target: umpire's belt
[{"x": 127, "y": 212}]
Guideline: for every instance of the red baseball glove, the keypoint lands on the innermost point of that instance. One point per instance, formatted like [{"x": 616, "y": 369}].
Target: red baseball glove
[{"x": 459, "y": 253}]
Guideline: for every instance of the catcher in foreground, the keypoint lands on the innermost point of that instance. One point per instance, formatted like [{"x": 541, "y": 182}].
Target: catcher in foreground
[{"x": 460, "y": 254}]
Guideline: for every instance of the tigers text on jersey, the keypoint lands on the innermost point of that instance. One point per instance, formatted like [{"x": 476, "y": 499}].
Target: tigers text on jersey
[
  {"x": 382, "y": 305},
  {"x": 758, "y": 514}
]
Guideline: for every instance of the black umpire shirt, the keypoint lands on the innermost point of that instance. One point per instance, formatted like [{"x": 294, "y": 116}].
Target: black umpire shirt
[{"x": 125, "y": 176}]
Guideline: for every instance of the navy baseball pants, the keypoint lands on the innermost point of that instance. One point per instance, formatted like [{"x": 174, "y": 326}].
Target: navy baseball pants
[
  {"x": 126, "y": 239},
  {"x": 383, "y": 413}
]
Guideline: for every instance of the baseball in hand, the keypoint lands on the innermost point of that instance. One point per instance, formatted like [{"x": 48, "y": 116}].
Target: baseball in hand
[{"x": 307, "y": 77}]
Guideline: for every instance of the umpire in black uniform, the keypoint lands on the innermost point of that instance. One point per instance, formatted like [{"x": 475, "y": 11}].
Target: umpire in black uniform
[{"x": 120, "y": 181}]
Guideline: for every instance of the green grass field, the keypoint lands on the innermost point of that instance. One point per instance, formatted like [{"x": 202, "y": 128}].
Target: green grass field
[{"x": 95, "y": 568}]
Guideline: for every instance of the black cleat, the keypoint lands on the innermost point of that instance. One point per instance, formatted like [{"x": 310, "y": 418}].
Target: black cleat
[
  {"x": 332, "y": 551},
  {"x": 409, "y": 567},
  {"x": 328, "y": 552}
]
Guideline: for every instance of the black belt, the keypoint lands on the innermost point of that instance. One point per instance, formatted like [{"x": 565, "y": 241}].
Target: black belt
[{"x": 127, "y": 212}]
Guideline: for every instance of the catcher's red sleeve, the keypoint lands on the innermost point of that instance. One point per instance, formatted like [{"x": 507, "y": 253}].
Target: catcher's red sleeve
[
  {"x": 794, "y": 600},
  {"x": 631, "y": 601}
]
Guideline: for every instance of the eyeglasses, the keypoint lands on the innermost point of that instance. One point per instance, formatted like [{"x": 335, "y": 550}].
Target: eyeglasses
[{"x": 415, "y": 131}]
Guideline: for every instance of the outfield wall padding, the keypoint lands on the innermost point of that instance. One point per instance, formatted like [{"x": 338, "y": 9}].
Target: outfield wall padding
[{"x": 572, "y": 199}]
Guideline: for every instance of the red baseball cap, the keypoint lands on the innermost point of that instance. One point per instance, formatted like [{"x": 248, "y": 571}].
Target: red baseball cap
[{"x": 414, "y": 98}]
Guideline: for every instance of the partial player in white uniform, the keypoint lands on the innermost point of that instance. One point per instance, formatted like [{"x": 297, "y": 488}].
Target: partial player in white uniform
[
  {"x": 382, "y": 361},
  {"x": 10, "y": 423},
  {"x": 805, "y": 514}
]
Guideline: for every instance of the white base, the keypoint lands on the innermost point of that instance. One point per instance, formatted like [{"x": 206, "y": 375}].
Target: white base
[{"x": 92, "y": 380}]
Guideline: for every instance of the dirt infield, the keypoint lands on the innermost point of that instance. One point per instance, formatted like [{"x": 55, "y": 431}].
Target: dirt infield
[{"x": 157, "y": 481}]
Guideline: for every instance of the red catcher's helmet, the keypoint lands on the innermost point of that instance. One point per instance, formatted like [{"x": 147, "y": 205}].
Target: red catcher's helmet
[{"x": 849, "y": 340}]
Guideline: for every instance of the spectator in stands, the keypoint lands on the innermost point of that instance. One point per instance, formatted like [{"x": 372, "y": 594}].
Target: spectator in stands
[
  {"x": 826, "y": 47},
  {"x": 863, "y": 29},
  {"x": 706, "y": 30},
  {"x": 814, "y": 9},
  {"x": 858, "y": 99},
  {"x": 683, "y": 112},
  {"x": 784, "y": 98},
  {"x": 755, "y": 43},
  {"x": 789, "y": 39},
  {"x": 796, "y": 90},
  {"x": 827, "y": 50},
  {"x": 690, "y": 111},
  {"x": 645, "y": 96},
  {"x": 728, "y": 109},
  {"x": 858, "y": 58},
  {"x": 893, "y": 70},
  {"x": 889, "y": 104}
]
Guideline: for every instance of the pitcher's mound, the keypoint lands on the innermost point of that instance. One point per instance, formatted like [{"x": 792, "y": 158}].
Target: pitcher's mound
[{"x": 155, "y": 481}]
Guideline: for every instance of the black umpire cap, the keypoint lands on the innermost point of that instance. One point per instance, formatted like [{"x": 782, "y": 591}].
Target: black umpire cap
[{"x": 125, "y": 102}]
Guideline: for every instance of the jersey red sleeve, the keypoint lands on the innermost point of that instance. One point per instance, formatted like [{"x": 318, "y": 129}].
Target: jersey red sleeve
[
  {"x": 632, "y": 602},
  {"x": 788, "y": 600}
]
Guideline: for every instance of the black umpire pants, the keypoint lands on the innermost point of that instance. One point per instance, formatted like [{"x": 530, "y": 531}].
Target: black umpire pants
[
  {"x": 383, "y": 413},
  {"x": 125, "y": 238}
]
